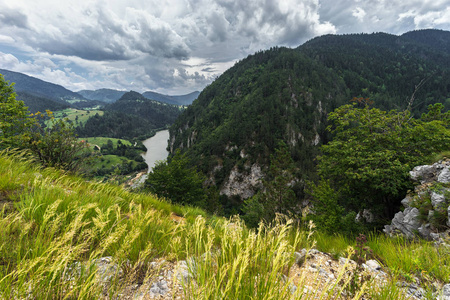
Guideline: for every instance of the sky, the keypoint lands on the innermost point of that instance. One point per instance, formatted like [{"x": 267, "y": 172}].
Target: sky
[{"x": 179, "y": 46}]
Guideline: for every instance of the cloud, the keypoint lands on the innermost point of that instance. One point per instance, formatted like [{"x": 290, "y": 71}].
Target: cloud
[
  {"x": 8, "y": 61},
  {"x": 176, "y": 46},
  {"x": 392, "y": 16},
  {"x": 14, "y": 18},
  {"x": 359, "y": 13}
]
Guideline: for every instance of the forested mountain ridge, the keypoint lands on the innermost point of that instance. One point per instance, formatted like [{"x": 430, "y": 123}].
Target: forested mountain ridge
[
  {"x": 133, "y": 103},
  {"x": 387, "y": 68},
  {"x": 132, "y": 116},
  {"x": 104, "y": 95},
  {"x": 110, "y": 96},
  {"x": 176, "y": 99},
  {"x": 38, "y": 87},
  {"x": 285, "y": 94}
]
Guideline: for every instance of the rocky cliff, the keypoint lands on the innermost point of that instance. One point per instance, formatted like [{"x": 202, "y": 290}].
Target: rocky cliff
[{"x": 427, "y": 210}]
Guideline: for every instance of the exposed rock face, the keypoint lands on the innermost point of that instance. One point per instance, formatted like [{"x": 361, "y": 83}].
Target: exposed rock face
[
  {"x": 243, "y": 185},
  {"x": 445, "y": 293},
  {"x": 427, "y": 206}
]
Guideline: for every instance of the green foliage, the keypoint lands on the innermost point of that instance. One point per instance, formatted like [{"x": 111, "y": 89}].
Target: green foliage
[
  {"x": 327, "y": 212},
  {"x": 60, "y": 223},
  {"x": 116, "y": 124},
  {"x": 372, "y": 151},
  {"x": 14, "y": 117},
  {"x": 56, "y": 145},
  {"x": 37, "y": 103},
  {"x": 277, "y": 194},
  {"x": 286, "y": 94},
  {"x": 159, "y": 114},
  {"x": 177, "y": 181}
]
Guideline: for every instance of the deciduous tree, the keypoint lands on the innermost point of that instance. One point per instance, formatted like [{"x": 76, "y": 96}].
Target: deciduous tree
[
  {"x": 14, "y": 117},
  {"x": 372, "y": 151}
]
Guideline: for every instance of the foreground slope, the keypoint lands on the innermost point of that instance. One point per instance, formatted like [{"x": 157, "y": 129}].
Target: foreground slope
[
  {"x": 285, "y": 94},
  {"x": 65, "y": 238}
]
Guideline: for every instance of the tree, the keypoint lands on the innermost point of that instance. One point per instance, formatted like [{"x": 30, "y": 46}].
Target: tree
[
  {"x": 277, "y": 194},
  {"x": 56, "y": 145},
  {"x": 372, "y": 151},
  {"x": 177, "y": 181},
  {"x": 14, "y": 117}
]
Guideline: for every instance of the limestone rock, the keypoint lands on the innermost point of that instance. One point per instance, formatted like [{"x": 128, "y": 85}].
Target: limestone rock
[
  {"x": 437, "y": 199},
  {"x": 433, "y": 179},
  {"x": 373, "y": 265},
  {"x": 423, "y": 173},
  {"x": 107, "y": 269},
  {"x": 158, "y": 288},
  {"x": 448, "y": 214},
  {"x": 445, "y": 293},
  {"x": 405, "y": 222},
  {"x": 444, "y": 176},
  {"x": 242, "y": 184}
]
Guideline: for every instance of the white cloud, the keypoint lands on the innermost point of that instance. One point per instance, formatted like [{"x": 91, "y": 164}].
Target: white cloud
[
  {"x": 180, "y": 45},
  {"x": 359, "y": 13},
  {"x": 8, "y": 61}
]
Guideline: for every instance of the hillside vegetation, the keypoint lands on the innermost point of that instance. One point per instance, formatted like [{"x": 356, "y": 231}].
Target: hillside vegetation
[
  {"x": 131, "y": 117},
  {"x": 56, "y": 228},
  {"x": 285, "y": 95}
]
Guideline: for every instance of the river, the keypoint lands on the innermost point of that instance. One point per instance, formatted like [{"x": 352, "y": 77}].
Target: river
[{"x": 156, "y": 148}]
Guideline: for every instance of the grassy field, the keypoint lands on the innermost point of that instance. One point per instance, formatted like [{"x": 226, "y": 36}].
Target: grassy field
[
  {"x": 54, "y": 225},
  {"x": 75, "y": 115},
  {"x": 107, "y": 161},
  {"x": 103, "y": 140}
]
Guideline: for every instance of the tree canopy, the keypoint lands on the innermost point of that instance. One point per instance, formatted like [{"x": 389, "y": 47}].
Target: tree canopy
[
  {"x": 372, "y": 151},
  {"x": 177, "y": 181},
  {"x": 14, "y": 117}
]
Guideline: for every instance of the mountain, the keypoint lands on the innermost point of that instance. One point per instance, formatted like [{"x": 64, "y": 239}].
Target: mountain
[
  {"x": 35, "y": 103},
  {"x": 105, "y": 95},
  {"x": 110, "y": 96},
  {"x": 285, "y": 94},
  {"x": 131, "y": 116},
  {"x": 176, "y": 100},
  {"x": 38, "y": 87},
  {"x": 159, "y": 113}
]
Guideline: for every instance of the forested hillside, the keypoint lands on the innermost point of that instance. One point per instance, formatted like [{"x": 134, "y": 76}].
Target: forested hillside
[
  {"x": 133, "y": 103},
  {"x": 36, "y": 103},
  {"x": 285, "y": 95},
  {"x": 105, "y": 95},
  {"x": 37, "y": 87},
  {"x": 132, "y": 116}
]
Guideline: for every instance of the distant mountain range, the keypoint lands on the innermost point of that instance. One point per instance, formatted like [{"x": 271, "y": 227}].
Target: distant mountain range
[
  {"x": 176, "y": 100},
  {"x": 40, "y": 95},
  {"x": 110, "y": 96}
]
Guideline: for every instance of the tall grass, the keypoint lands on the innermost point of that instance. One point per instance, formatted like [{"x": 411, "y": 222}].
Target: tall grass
[
  {"x": 411, "y": 259},
  {"x": 61, "y": 225}
]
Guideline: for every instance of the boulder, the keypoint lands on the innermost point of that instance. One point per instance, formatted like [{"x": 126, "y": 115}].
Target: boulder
[
  {"x": 448, "y": 216},
  {"x": 437, "y": 200},
  {"x": 404, "y": 222},
  {"x": 412, "y": 221},
  {"x": 444, "y": 176},
  {"x": 445, "y": 295},
  {"x": 423, "y": 174}
]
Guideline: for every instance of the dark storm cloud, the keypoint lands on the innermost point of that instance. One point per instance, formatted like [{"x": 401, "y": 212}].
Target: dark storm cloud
[
  {"x": 181, "y": 45},
  {"x": 9, "y": 17},
  {"x": 103, "y": 36}
]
